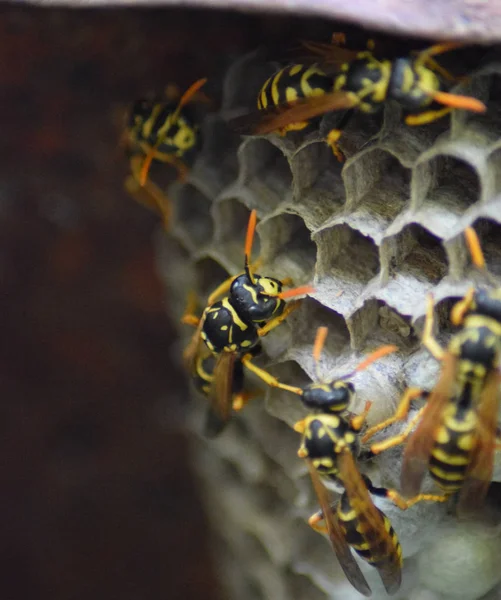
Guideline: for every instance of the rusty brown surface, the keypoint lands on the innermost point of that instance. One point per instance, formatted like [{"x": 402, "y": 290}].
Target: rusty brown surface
[{"x": 469, "y": 20}]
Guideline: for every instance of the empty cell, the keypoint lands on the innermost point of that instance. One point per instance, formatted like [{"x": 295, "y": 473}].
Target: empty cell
[
  {"x": 347, "y": 254},
  {"x": 377, "y": 176},
  {"x": 265, "y": 172},
  {"x": 318, "y": 186},
  {"x": 231, "y": 220},
  {"x": 443, "y": 327},
  {"x": 378, "y": 323},
  {"x": 489, "y": 233},
  {"x": 419, "y": 253},
  {"x": 288, "y": 247},
  {"x": 455, "y": 185},
  {"x": 209, "y": 274},
  {"x": 192, "y": 216},
  {"x": 304, "y": 323}
]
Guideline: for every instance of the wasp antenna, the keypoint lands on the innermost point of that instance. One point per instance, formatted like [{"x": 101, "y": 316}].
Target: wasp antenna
[
  {"x": 474, "y": 247},
  {"x": 251, "y": 228},
  {"x": 457, "y": 101},
  {"x": 376, "y": 355},
  {"x": 318, "y": 347},
  {"x": 299, "y": 291},
  {"x": 186, "y": 97}
]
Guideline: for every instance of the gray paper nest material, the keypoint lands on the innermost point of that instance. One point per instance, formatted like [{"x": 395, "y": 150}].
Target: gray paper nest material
[
  {"x": 468, "y": 20},
  {"x": 374, "y": 234}
]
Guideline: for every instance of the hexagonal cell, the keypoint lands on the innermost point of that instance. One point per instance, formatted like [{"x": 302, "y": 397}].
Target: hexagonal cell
[
  {"x": 208, "y": 275},
  {"x": 265, "y": 172},
  {"x": 453, "y": 184},
  {"x": 304, "y": 323},
  {"x": 348, "y": 258},
  {"x": 420, "y": 254},
  {"x": 378, "y": 323},
  {"x": 490, "y": 232},
  {"x": 317, "y": 183},
  {"x": 377, "y": 176},
  {"x": 192, "y": 221},
  {"x": 231, "y": 218},
  {"x": 286, "y": 246},
  {"x": 216, "y": 166}
]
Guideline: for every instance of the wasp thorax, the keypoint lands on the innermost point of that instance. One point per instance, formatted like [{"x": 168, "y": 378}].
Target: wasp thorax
[
  {"x": 334, "y": 397},
  {"x": 256, "y": 301}
]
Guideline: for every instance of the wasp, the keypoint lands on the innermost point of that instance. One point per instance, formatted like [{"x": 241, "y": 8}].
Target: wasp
[
  {"x": 456, "y": 436},
  {"x": 359, "y": 81},
  {"x": 330, "y": 445},
  {"x": 233, "y": 326},
  {"x": 161, "y": 130}
]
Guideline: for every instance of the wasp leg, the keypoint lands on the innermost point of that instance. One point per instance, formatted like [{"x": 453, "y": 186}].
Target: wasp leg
[
  {"x": 462, "y": 307},
  {"x": 397, "y": 439},
  {"x": 290, "y": 307},
  {"x": 148, "y": 194},
  {"x": 400, "y": 414},
  {"x": 189, "y": 317},
  {"x": 242, "y": 398},
  {"x": 314, "y": 522},
  {"x": 427, "y": 117},
  {"x": 429, "y": 341},
  {"x": 358, "y": 421},
  {"x": 267, "y": 378},
  {"x": 400, "y": 501},
  {"x": 332, "y": 140}
]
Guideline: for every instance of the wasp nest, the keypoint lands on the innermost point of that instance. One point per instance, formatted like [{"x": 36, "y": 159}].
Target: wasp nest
[{"x": 373, "y": 234}]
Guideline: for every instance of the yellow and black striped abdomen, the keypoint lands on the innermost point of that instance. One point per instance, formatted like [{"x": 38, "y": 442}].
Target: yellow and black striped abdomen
[
  {"x": 454, "y": 442},
  {"x": 293, "y": 83},
  {"x": 369, "y": 544}
]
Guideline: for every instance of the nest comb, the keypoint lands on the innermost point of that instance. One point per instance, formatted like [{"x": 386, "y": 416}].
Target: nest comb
[{"x": 374, "y": 234}]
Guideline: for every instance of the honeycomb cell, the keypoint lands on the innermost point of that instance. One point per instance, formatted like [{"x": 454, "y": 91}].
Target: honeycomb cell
[
  {"x": 453, "y": 184},
  {"x": 191, "y": 215},
  {"x": 304, "y": 323},
  {"x": 216, "y": 166},
  {"x": 489, "y": 232},
  {"x": 286, "y": 246},
  {"x": 208, "y": 275},
  {"x": 318, "y": 188},
  {"x": 378, "y": 323},
  {"x": 377, "y": 178},
  {"x": 265, "y": 172},
  {"x": 420, "y": 254},
  {"x": 347, "y": 261}
]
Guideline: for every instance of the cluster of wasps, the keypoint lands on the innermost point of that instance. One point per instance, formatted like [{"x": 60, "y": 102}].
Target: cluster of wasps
[{"x": 453, "y": 437}]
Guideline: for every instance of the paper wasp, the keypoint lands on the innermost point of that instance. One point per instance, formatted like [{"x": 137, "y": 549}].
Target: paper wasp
[
  {"x": 233, "y": 326},
  {"x": 298, "y": 93},
  {"x": 164, "y": 131},
  {"x": 455, "y": 439},
  {"x": 330, "y": 446}
]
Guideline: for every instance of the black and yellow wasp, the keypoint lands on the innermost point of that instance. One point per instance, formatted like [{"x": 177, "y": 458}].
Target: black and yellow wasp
[
  {"x": 164, "y": 131},
  {"x": 455, "y": 439},
  {"x": 330, "y": 445},
  {"x": 344, "y": 80},
  {"x": 233, "y": 326}
]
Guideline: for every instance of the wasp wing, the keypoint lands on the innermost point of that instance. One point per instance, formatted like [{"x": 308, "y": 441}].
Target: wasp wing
[
  {"x": 330, "y": 54},
  {"x": 419, "y": 446},
  {"x": 336, "y": 536},
  {"x": 479, "y": 474},
  {"x": 191, "y": 351},
  {"x": 221, "y": 393},
  {"x": 304, "y": 109},
  {"x": 388, "y": 563}
]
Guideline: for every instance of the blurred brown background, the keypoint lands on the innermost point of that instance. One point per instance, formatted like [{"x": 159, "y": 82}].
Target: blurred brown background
[{"x": 97, "y": 499}]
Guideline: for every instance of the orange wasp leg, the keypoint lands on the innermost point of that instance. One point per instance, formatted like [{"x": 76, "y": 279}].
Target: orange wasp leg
[
  {"x": 267, "y": 378},
  {"x": 428, "y": 339},
  {"x": 398, "y": 439}
]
